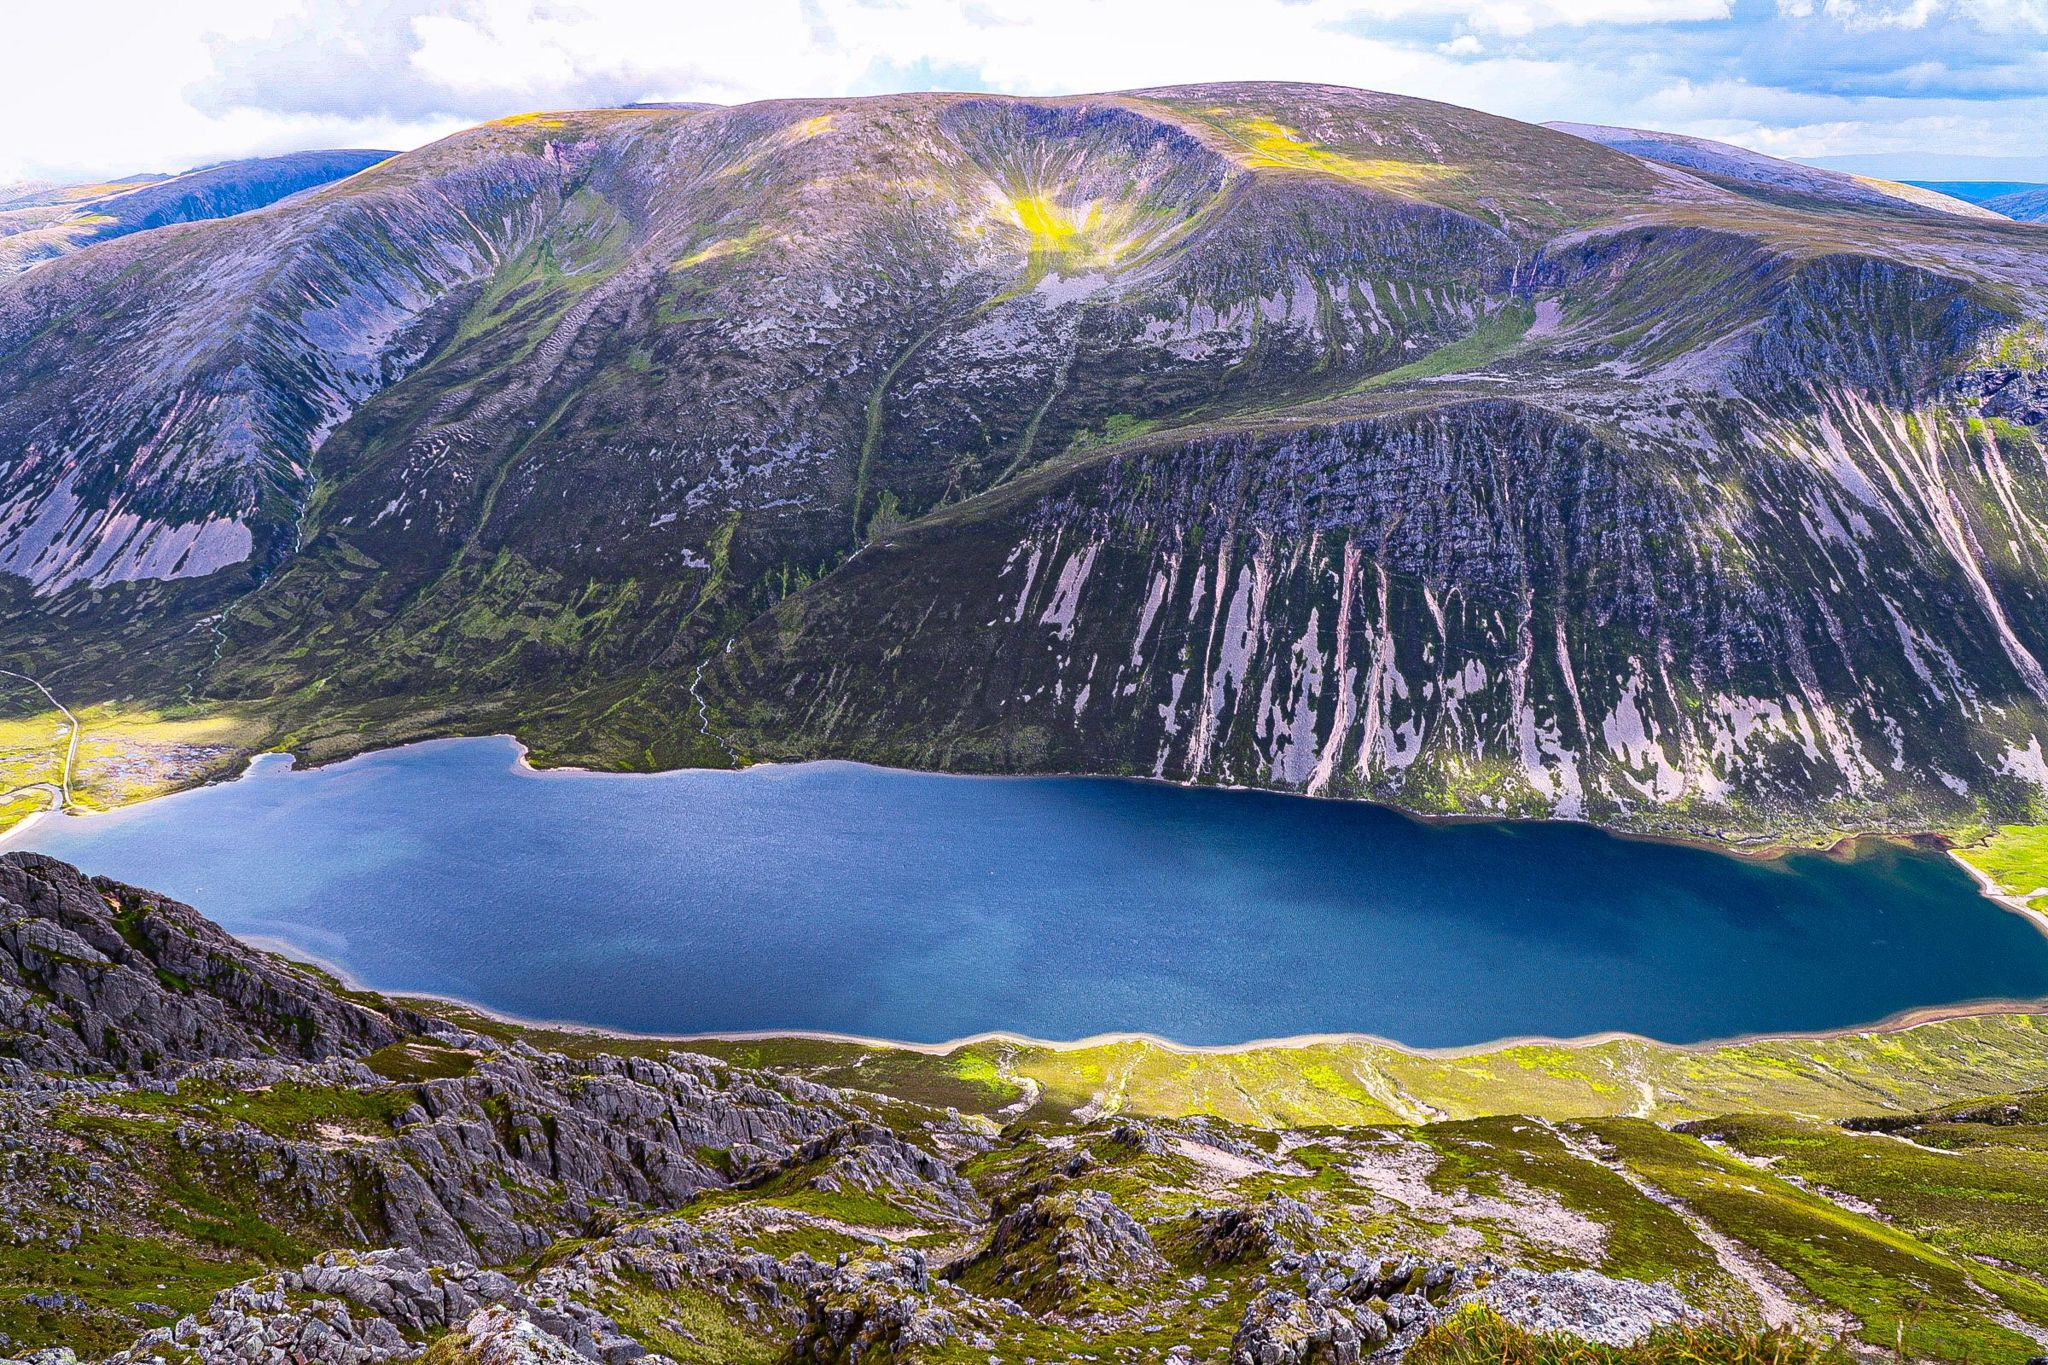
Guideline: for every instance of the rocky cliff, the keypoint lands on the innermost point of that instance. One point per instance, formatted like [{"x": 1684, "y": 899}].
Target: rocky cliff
[
  {"x": 1286, "y": 435},
  {"x": 210, "y": 1154}
]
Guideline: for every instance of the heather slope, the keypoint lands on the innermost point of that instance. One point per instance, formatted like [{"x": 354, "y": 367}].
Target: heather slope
[{"x": 1769, "y": 174}]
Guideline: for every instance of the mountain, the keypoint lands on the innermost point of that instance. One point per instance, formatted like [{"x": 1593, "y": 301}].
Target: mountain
[
  {"x": 40, "y": 222},
  {"x": 1283, "y": 435},
  {"x": 217, "y": 1155},
  {"x": 1758, "y": 172},
  {"x": 2027, "y": 206},
  {"x": 1978, "y": 191}
]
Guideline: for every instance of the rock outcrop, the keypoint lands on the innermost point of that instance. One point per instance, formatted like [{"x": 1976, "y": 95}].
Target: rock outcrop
[{"x": 97, "y": 976}]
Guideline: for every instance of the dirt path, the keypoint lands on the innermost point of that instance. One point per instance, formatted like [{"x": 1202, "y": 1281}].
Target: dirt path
[{"x": 70, "y": 749}]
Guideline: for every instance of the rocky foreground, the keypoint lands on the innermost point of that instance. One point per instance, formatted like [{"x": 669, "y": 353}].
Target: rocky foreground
[{"x": 213, "y": 1155}]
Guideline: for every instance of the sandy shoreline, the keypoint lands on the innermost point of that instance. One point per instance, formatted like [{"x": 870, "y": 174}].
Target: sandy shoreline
[
  {"x": 1992, "y": 891},
  {"x": 1901, "y": 1022},
  {"x": 22, "y": 826}
]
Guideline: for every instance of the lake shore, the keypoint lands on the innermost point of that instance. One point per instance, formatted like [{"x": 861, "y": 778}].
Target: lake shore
[
  {"x": 1900, "y": 1022},
  {"x": 1735, "y": 843},
  {"x": 1349, "y": 884},
  {"x": 1998, "y": 894}
]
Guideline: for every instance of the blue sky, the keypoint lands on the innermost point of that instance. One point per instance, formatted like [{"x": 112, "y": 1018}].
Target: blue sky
[{"x": 131, "y": 85}]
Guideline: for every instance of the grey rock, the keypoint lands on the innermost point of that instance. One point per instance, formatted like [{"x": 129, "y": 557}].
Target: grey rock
[
  {"x": 875, "y": 1160},
  {"x": 1584, "y": 1303},
  {"x": 1283, "y": 1328},
  {"x": 1231, "y": 1235},
  {"x": 2019, "y": 396},
  {"x": 1056, "y": 1242},
  {"x": 96, "y": 976}
]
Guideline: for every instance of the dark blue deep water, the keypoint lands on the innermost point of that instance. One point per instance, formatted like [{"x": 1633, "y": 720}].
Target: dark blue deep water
[{"x": 859, "y": 900}]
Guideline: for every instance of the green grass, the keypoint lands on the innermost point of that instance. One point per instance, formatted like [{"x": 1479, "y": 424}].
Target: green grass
[
  {"x": 1972, "y": 1189},
  {"x": 286, "y": 1110},
  {"x": 1645, "y": 1239},
  {"x": 688, "y": 1325},
  {"x": 1897, "y": 1286},
  {"x": 2015, "y": 857},
  {"x": 416, "y": 1061},
  {"x": 821, "y": 1244},
  {"x": 117, "y": 1276},
  {"x": 1497, "y": 334},
  {"x": 1362, "y": 1082},
  {"x": 849, "y": 1207}
]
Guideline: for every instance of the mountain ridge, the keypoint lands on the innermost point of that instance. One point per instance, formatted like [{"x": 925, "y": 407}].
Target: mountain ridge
[
  {"x": 42, "y": 222},
  {"x": 576, "y": 424}
]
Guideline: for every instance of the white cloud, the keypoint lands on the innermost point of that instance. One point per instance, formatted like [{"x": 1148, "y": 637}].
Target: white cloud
[{"x": 133, "y": 85}]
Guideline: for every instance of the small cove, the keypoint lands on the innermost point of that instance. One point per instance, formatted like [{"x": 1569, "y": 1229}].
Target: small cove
[{"x": 847, "y": 899}]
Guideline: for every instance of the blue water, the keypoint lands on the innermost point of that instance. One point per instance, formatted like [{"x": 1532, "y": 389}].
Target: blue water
[{"x": 900, "y": 905}]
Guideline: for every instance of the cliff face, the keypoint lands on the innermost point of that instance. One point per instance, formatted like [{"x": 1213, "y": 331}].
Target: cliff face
[
  {"x": 1746, "y": 616},
  {"x": 1262, "y": 433}
]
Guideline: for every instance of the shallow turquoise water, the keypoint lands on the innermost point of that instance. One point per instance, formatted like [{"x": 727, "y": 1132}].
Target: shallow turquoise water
[{"x": 901, "y": 905}]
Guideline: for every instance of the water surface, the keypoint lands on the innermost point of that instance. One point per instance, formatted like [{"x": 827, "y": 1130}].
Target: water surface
[{"x": 859, "y": 900}]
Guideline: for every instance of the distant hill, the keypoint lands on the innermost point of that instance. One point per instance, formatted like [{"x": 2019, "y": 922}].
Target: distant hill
[
  {"x": 2026, "y": 206},
  {"x": 38, "y": 222},
  {"x": 1790, "y": 179},
  {"x": 1978, "y": 191}
]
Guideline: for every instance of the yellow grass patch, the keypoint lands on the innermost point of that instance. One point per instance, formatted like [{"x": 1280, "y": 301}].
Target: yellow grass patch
[
  {"x": 719, "y": 250},
  {"x": 1271, "y": 144},
  {"x": 129, "y": 753}
]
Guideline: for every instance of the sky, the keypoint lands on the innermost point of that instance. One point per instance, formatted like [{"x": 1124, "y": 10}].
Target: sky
[{"x": 118, "y": 86}]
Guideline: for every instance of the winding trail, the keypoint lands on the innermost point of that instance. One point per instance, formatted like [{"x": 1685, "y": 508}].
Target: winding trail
[{"x": 70, "y": 749}]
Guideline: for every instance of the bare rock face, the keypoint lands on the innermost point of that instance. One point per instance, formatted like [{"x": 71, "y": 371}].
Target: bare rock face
[
  {"x": 881, "y": 1310},
  {"x": 1585, "y": 1303},
  {"x": 1280, "y": 1328},
  {"x": 1056, "y": 1243},
  {"x": 1229, "y": 1236},
  {"x": 250, "y": 1323},
  {"x": 499, "y": 1336},
  {"x": 580, "y": 1134},
  {"x": 870, "y": 1159},
  {"x": 2017, "y": 395},
  {"x": 98, "y": 976}
]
